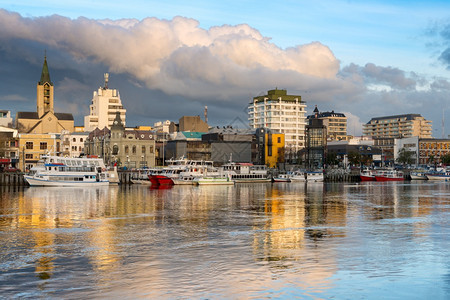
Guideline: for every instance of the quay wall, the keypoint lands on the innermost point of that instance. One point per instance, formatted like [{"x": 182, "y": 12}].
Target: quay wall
[
  {"x": 12, "y": 179},
  {"x": 17, "y": 179}
]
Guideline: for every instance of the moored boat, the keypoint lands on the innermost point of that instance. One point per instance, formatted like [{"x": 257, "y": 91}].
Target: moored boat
[
  {"x": 68, "y": 171},
  {"x": 214, "y": 180},
  {"x": 298, "y": 176},
  {"x": 314, "y": 176},
  {"x": 367, "y": 175},
  {"x": 159, "y": 179},
  {"x": 443, "y": 176},
  {"x": 389, "y": 175},
  {"x": 418, "y": 175},
  {"x": 246, "y": 172},
  {"x": 281, "y": 178}
]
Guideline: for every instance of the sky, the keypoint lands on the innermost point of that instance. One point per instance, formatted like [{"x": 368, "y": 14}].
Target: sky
[{"x": 168, "y": 59}]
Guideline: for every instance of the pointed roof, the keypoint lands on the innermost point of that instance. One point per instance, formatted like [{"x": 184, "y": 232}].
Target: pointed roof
[
  {"x": 117, "y": 124},
  {"x": 45, "y": 75},
  {"x": 316, "y": 110}
]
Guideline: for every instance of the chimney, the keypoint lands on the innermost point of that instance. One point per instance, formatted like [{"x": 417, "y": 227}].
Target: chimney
[{"x": 206, "y": 114}]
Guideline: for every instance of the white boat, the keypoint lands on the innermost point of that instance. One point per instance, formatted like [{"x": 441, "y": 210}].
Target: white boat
[
  {"x": 282, "y": 178},
  {"x": 443, "y": 176},
  {"x": 297, "y": 176},
  {"x": 214, "y": 180},
  {"x": 314, "y": 176},
  {"x": 68, "y": 171},
  {"x": 246, "y": 172},
  {"x": 418, "y": 175}
]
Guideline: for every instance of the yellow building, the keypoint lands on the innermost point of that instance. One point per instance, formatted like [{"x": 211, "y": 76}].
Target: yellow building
[
  {"x": 33, "y": 146},
  {"x": 44, "y": 120},
  {"x": 274, "y": 149}
]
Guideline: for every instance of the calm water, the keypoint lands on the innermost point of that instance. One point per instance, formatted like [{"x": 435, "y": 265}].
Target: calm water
[{"x": 315, "y": 241}]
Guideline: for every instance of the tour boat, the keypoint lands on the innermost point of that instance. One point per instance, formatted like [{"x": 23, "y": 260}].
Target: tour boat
[
  {"x": 68, "y": 171},
  {"x": 367, "y": 175},
  {"x": 246, "y": 172},
  {"x": 389, "y": 175},
  {"x": 314, "y": 176}
]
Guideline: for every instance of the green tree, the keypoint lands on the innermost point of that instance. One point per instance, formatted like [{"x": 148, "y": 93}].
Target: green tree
[{"x": 405, "y": 156}]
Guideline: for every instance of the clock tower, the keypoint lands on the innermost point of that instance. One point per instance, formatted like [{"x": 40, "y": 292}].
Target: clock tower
[{"x": 45, "y": 92}]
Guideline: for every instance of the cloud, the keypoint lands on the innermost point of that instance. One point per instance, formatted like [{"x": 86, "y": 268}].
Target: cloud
[
  {"x": 394, "y": 78},
  {"x": 177, "y": 56},
  {"x": 165, "y": 69},
  {"x": 13, "y": 97}
]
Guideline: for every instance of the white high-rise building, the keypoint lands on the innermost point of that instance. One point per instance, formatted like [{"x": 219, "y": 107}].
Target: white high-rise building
[
  {"x": 105, "y": 103},
  {"x": 281, "y": 113}
]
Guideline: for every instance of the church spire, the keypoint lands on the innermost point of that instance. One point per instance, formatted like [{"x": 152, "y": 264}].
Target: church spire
[{"x": 45, "y": 75}]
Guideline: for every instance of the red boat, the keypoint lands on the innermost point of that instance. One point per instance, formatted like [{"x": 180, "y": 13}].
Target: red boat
[
  {"x": 367, "y": 175},
  {"x": 391, "y": 175},
  {"x": 158, "y": 180}
]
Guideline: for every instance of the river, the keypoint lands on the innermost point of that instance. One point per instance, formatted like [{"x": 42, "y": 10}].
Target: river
[{"x": 249, "y": 241}]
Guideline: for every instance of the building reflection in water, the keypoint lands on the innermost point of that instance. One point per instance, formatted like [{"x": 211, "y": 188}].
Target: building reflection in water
[{"x": 300, "y": 231}]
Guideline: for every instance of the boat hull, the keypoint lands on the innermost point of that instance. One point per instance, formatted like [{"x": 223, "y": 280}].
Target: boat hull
[
  {"x": 438, "y": 177},
  {"x": 367, "y": 178},
  {"x": 383, "y": 178},
  {"x": 40, "y": 182},
  {"x": 157, "y": 180},
  {"x": 214, "y": 181}
]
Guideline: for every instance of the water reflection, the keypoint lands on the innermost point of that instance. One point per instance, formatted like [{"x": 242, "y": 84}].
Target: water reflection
[{"x": 251, "y": 240}]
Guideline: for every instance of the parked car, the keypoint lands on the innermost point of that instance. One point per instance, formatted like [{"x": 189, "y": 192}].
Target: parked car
[{"x": 11, "y": 169}]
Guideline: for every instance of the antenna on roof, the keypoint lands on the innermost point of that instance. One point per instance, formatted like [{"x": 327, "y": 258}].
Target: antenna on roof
[{"x": 106, "y": 75}]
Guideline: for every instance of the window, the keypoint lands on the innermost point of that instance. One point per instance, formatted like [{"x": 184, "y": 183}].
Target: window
[
  {"x": 279, "y": 140},
  {"x": 43, "y": 146},
  {"x": 28, "y": 156},
  {"x": 151, "y": 149},
  {"x": 115, "y": 150},
  {"x": 134, "y": 149},
  {"x": 29, "y": 145},
  {"x": 143, "y": 149},
  {"x": 74, "y": 140},
  {"x": 127, "y": 150},
  {"x": 81, "y": 140}
]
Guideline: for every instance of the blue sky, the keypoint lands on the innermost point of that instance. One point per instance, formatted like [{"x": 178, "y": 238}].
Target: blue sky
[{"x": 373, "y": 58}]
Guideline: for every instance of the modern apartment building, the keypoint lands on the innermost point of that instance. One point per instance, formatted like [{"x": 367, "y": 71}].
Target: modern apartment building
[
  {"x": 105, "y": 103},
  {"x": 398, "y": 126},
  {"x": 281, "y": 113},
  {"x": 336, "y": 124}
]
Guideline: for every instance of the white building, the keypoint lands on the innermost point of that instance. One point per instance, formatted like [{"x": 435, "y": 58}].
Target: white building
[
  {"x": 162, "y": 126},
  {"x": 73, "y": 143},
  {"x": 5, "y": 118},
  {"x": 281, "y": 113},
  {"x": 102, "y": 111}
]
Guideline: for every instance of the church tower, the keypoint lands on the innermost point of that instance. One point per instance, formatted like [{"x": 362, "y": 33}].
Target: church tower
[{"x": 45, "y": 92}]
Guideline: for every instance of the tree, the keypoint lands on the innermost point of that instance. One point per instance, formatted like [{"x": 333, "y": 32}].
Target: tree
[
  {"x": 354, "y": 158},
  {"x": 446, "y": 159},
  {"x": 405, "y": 156},
  {"x": 332, "y": 159}
]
